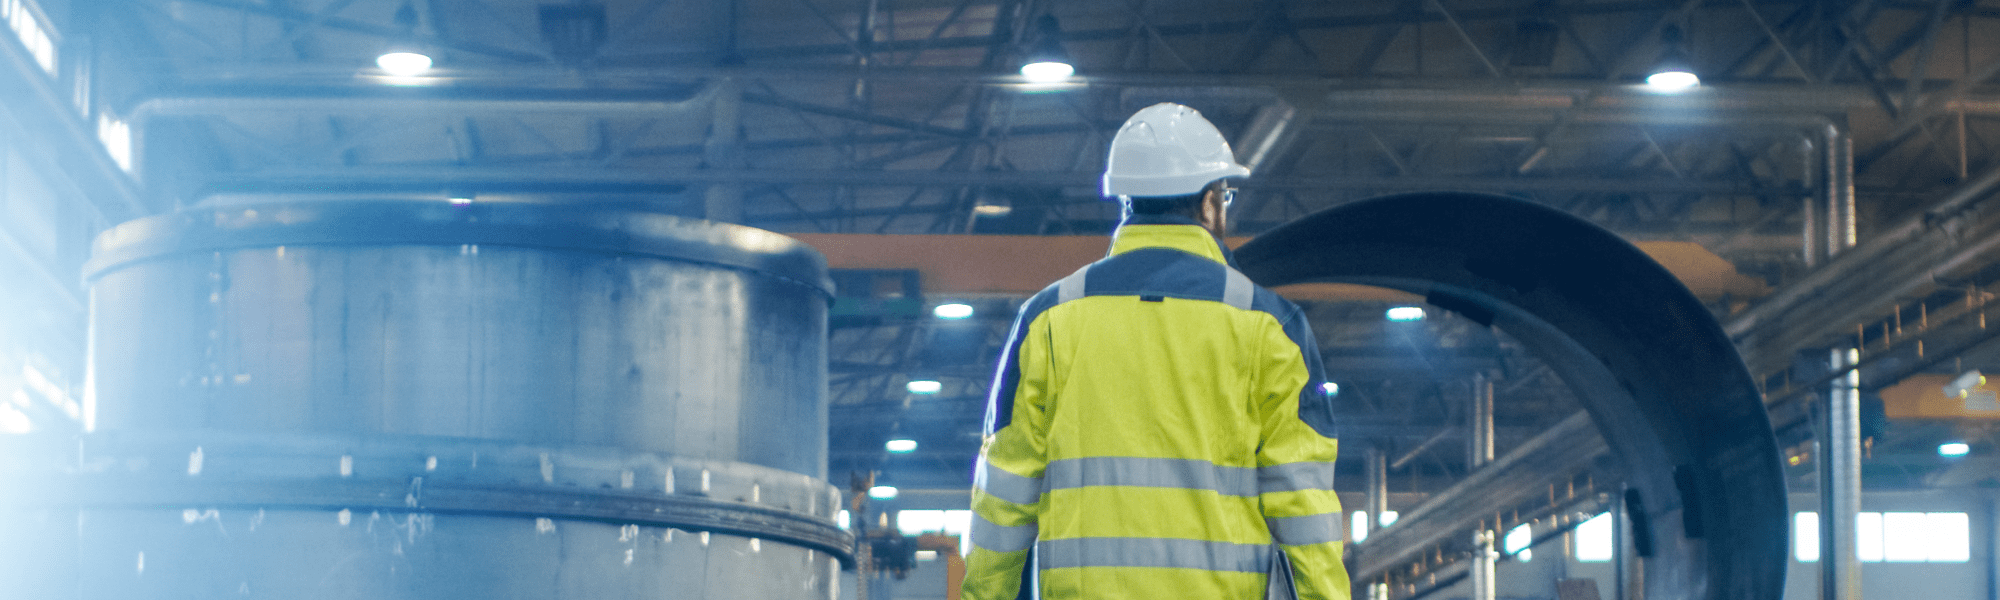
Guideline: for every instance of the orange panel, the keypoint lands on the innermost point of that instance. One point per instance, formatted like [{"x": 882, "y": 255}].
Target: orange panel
[
  {"x": 1016, "y": 265},
  {"x": 1922, "y": 397}
]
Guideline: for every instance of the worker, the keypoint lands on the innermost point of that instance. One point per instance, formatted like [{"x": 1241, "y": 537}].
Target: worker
[{"x": 1157, "y": 428}]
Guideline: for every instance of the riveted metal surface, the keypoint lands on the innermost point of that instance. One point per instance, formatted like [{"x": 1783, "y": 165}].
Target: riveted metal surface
[
  {"x": 536, "y": 324},
  {"x": 1660, "y": 379}
]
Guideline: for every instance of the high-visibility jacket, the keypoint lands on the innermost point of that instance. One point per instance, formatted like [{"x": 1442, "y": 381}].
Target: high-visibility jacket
[{"x": 1156, "y": 424}]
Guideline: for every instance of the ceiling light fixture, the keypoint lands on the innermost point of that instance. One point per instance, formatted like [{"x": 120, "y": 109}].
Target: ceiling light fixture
[
  {"x": 901, "y": 446},
  {"x": 925, "y": 386},
  {"x": 1406, "y": 313},
  {"x": 1954, "y": 449},
  {"x": 403, "y": 64},
  {"x": 952, "y": 311},
  {"x": 882, "y": 492},
  {"x": 1674, "y": 72},
  {"x": 1047, "y": 61}
]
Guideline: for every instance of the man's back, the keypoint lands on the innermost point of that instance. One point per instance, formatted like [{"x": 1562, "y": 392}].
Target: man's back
[{"x": 1146, "y": 435}]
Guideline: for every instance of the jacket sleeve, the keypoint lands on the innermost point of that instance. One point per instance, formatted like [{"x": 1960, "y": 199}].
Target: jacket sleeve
[
  {"x": 1007, "y": 481},
  {"x": 1295, "y": 462}
]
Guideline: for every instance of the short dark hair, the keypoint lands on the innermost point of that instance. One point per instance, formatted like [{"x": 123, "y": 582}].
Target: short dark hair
[
  {"x": 1185, "y": 206},
  {"x": 1181, "y": 206}
]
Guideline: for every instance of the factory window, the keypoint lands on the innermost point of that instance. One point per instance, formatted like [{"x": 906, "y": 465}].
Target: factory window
[
  {"x": 1593, "y": 539},
  {"x": 1358, "y": 523},
  {"x": 26, "y": 21},
  {"x": 919, "y": 522},
  {"x": 1520, "y": 542},
  {"x": 116, "y": 136},
  {"x": 1893, "y": 537}
]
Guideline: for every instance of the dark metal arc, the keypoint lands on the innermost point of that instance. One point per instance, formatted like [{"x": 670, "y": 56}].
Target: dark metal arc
[{"x": 1649, "y": 363}]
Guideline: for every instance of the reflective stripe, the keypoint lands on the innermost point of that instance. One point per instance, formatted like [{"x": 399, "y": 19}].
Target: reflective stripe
[
  {"x": 1292, "y": 477},
  {"x": 1154, "y": 552},
  {"x": 1309, "y": 529},
  {"x": 1236, "y": 289},
  {"x": 1007, "y": 486},
  {"x": 1152, "y": 472},
  {"x": 1000, "y": 538},
  {"x": 1071, "y": 287}
]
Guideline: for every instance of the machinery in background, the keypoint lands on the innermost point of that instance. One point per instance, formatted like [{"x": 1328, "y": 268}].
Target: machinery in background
[{"x": 428, "y": 400}]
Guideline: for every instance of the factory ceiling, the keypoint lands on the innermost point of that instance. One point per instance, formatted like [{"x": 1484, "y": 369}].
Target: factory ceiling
[{"x": 899, "y": 117}]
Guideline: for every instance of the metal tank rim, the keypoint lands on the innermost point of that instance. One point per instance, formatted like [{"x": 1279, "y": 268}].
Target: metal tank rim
[
  {"x": 404, "y": 474},
  {"x": 435, "y": 223}
]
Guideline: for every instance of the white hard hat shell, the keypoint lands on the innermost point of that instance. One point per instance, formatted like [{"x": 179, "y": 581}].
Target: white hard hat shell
[{"x": 1167, "y": 150}]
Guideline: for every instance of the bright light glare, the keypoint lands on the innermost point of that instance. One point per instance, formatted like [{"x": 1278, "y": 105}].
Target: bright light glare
[
  {"x": 1520, "y": 542},
  {"x": 460, "y": 200},
  {"x": 1358, "y": 523},
  {"x": 1330, "y": 388},
  {"x": 952, "y": 311},
  {"x": 1406, "y": 313},
  {"x": 1954, "y": 449},
  {"x": 403, "y": 64},
  {"x": 1673, "y": 81},
  {"x": 901, "y": 446},
  {"x": 925, "y": 386},
  {"x": 1593, "y": 539},
  {"x": 1805, "y": 537},
  {"x": 1047, "y": 72},
  {"x": 882, "y": 492},
  {"x": 1868, "y": 540}
]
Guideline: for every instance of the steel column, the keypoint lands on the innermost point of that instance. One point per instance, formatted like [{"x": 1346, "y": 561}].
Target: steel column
[
  {"x": 1483, "y": 557},
  {"x": 1840, "y": 481},
  {"x": 1378, "y": 503},
  {"x": 1840, "y": 426}
]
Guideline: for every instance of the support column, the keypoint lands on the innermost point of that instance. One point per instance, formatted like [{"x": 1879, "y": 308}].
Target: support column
[
  {"x": 724, "y": 201},
  {"x": 1378, "y": 503},
  {"x": 1839, "y": 464},
  {"x": 1483, "y": 555},
  {"x": 1839, "y": 418}
]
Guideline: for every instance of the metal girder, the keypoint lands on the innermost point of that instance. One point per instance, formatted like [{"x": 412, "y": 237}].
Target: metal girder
[
  {"x": 383, "y": 31},
  {"x": 1698, "y": 450},
  {"x": 1822, "y": 303},
  {"x": 421, "y": 178}
]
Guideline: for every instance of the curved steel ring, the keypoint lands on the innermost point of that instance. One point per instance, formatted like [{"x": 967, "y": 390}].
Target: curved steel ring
[{"x": 1657, "y": 374}]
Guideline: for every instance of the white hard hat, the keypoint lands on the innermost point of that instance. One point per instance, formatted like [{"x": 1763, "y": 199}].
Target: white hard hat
[{"x": 1167, "y": 150}]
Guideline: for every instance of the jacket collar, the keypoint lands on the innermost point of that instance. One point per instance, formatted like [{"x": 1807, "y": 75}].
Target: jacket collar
[{"x": 1161, "y": 231}]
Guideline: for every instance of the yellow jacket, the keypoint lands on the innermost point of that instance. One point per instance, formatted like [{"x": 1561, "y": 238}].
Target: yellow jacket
[{"x": 1156, "y": 424}]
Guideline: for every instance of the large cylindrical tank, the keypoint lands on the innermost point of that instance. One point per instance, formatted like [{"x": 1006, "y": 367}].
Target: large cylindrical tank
[{"x": 429, "y": 400}]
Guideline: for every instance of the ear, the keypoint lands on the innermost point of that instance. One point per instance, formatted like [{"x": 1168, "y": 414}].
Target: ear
[{"x": 1212, "y": 211}]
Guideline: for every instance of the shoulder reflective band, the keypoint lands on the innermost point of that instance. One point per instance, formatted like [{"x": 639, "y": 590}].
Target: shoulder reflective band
[
  {"x": 1152, "y": 472},
  {"x": 1309, "y": 529},
  {"x": 1007, "y": 486},
  {"x": 1071, "y": 287},
  {"x": 1000, "y": 538},
  {"x": 1292, "y": 477},
  {"x": 1154, "y": 552},
  {"x": 1237, "y": 290}
]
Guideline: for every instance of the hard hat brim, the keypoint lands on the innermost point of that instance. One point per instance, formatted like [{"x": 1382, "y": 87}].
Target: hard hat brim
[{"x": 1113, "y": 186}]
